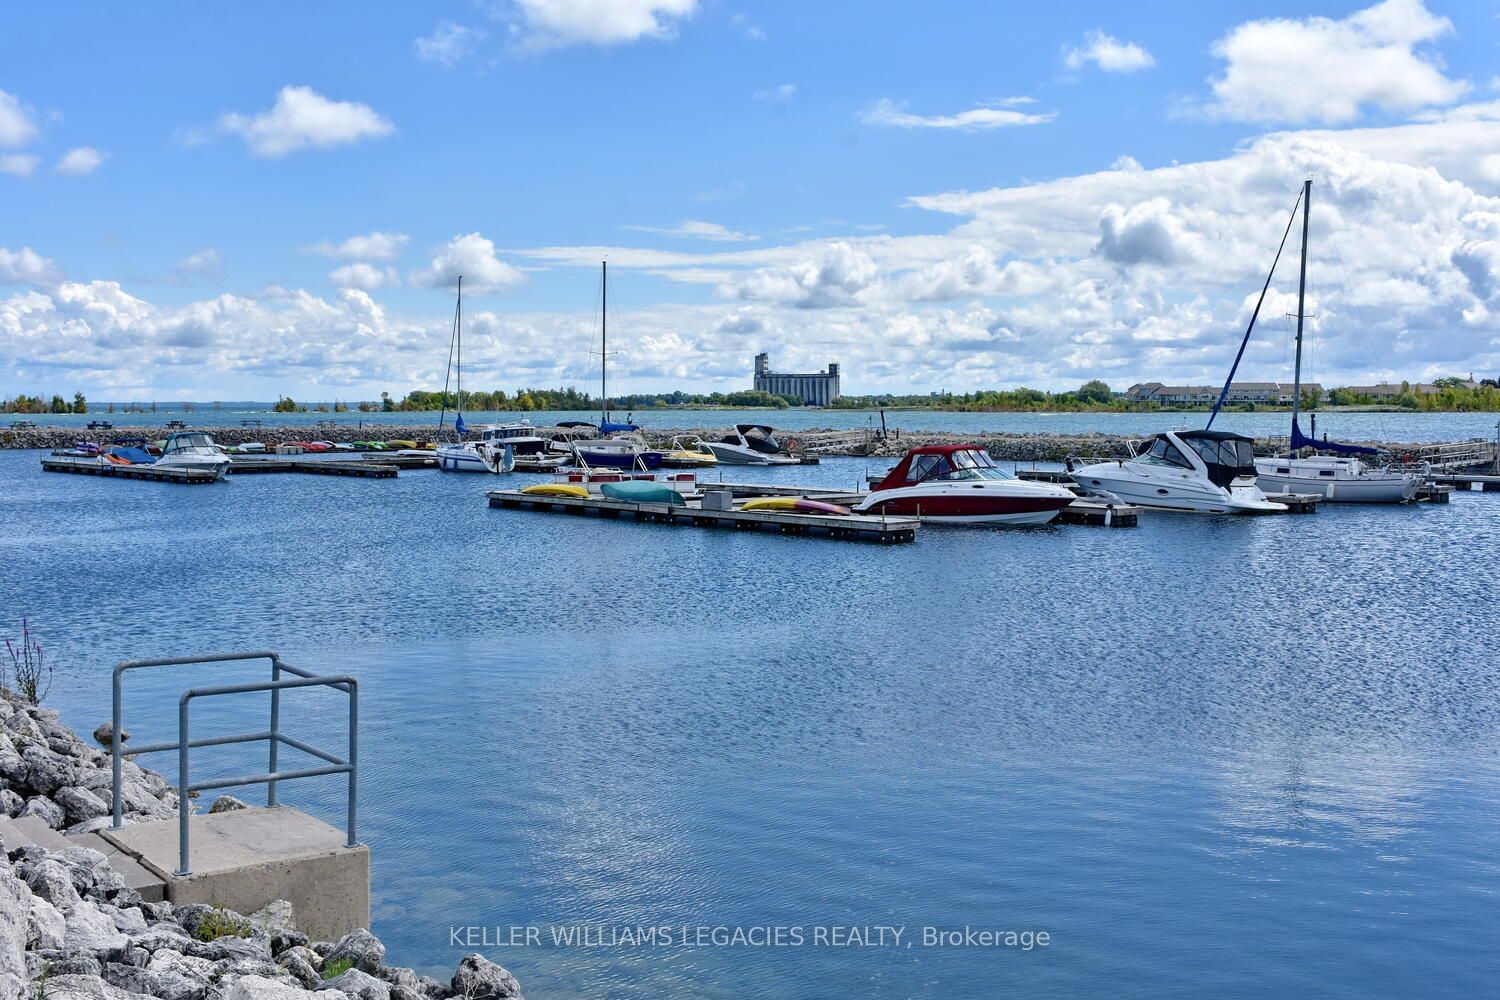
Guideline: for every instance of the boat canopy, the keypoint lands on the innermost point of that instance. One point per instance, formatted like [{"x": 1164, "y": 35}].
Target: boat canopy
[
  {"x": 1227, "y": 455},
  {"x": 610, "y": 427},
  {"x": 759, "y": 437},
  {"x": 1300, "y": 441},
  {"x": 941, "y": 461}
]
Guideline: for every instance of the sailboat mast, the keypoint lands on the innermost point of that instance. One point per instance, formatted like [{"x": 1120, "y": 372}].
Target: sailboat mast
[
  {"x": 1301, "y": 300},
  {"x": 458, "y": 320},
  {"x": 603, "y": 343}
]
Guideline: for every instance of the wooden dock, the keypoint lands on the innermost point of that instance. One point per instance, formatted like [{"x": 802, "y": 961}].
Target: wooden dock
[
  {"x": 242, "y": 466},
  {"x": 1489, "y": 484},
  {"x": 854, "y": 527},
  {"x": 93, "y": 467}
]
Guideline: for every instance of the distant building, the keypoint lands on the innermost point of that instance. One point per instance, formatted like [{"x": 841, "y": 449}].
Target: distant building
[
  {"x": 814, "y": 388},
  {"x": 1388, "y": 390},
  {"x": 1240, "y": 393}
]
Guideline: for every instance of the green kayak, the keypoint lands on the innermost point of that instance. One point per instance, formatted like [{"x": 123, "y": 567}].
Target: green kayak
[{"x": 642, "y": 491}]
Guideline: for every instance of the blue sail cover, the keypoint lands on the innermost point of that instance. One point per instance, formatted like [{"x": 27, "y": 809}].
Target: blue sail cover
[
  {"x": 610, "y": 427},
  {"x": 1300, "y": 440},
  {"x": 459, "y": 425}
]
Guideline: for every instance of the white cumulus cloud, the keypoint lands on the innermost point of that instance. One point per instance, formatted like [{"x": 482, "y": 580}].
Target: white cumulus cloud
[
  {"x": 1109, "y": 54},
  {"x": 370, "y": 246},
  {"x": 366, "y": 277},
  {"x": 17, "y": 128},
  {"x": 302, "y": 118},
  {"x": 888, "y": 112},
  {"x": 1322, "y": 70},
  {"x": 472, "y": 256},
  {"x": 80, "y": 161},
  {"x": 27, "y": 267},
  {"x": 556, "y": 23}
]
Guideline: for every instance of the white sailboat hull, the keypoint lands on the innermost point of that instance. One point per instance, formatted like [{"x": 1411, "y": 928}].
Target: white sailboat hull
[{"x": 1336, "y": 482}]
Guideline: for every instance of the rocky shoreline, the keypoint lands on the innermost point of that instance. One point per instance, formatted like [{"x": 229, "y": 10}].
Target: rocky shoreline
[
  {"x": 822, "y": 441},
  {"x": 70, "y": 928}
]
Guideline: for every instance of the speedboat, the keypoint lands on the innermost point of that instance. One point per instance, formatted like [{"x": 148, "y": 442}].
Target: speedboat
[
  {"x": 687, "y": 454},
  {"x": 749, "y": 444},
  {"x": 1209, "y": 472},
  {"x": 193, "y": 450},
  {"x": 959, "y": 484},
  {"x": 1344, "y": 480}
]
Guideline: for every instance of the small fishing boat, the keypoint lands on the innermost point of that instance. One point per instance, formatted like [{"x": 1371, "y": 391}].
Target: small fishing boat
[
  {"x": 749, "y": 444},
  {"x": 801, "y": 505},
  {"x": 959, "y": 484}
]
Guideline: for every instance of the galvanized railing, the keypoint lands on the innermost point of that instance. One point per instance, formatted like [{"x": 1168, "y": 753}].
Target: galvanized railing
[{"x": 273, "y": 736}]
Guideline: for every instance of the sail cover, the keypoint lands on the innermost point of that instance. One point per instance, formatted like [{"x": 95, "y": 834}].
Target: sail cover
[
  {"x": 1300, "y": 441},
  {"x": 610, "y": 427}
]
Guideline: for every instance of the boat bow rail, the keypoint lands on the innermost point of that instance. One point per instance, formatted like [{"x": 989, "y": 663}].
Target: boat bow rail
[{"x": 273, "y": 736}]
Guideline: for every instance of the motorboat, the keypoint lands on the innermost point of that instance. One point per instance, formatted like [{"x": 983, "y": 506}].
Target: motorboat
[
  {"x": 195, "y": 451},
  {"x": 1337, "y": 479},
  {"x": 687, "y": 453},
  {"x": 621, "y": 450},
  {"x": 521, "y": 435},
  {"x": 1342, "y": 477},
  {"x": 960, "y": 484},
  {"x": 749, "y": 444},
  {"x": 1205, "y": 471}
]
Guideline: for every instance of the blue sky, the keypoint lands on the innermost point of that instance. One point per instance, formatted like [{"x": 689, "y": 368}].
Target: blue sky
[{"x": 227, "y": 202}]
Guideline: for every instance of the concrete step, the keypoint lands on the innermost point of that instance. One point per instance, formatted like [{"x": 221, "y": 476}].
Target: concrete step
[{"x": 23, "y": 830}]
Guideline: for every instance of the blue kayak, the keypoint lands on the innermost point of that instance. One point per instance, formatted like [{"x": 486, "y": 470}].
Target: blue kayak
[{"x": 642, "y": 491}]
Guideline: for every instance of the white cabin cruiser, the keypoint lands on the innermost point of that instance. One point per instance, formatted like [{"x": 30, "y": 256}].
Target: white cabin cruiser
[
  {"x": 749, "y": 444},
  {"x": 1211, "y": 472},
  {"x": 193, "y": 450},
  {"x": 521, "y": 435}
]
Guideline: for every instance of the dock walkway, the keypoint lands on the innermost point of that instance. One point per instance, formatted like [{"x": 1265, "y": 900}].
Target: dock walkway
[{"x": 853, "y": 527}]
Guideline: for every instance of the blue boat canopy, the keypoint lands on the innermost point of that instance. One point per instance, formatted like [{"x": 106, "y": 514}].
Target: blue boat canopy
[
  {"x": 1300, "y": 441},
  {"x": 610, "y": 427},
  {"x": 135, "y": 456}
]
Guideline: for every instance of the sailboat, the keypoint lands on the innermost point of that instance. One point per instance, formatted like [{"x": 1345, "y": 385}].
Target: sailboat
[
  {"x": 1342, "y": 476},
  {"x": 618, "y": 446},
  {"x": 490, "y": 453}
]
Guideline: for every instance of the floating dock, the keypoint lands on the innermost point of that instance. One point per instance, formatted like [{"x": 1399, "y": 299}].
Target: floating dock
[
  {"x": 852, "y": 527},
  {"x": 93, "y": 467},
  {"x": 242, "y": 466}
]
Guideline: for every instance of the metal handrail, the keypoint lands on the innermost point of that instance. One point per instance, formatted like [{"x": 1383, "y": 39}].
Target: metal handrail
[{"x": 273, "y": 736}]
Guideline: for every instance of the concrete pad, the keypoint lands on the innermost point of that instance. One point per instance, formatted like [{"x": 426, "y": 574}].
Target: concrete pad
[{"x": 245, "y": 858}]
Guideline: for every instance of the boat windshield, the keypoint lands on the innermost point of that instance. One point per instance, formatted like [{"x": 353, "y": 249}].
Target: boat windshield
[
  {"x": 958, "y": 465},
  {"x": 191, "y": 444},
  {"x": 1163, "y": 452}
]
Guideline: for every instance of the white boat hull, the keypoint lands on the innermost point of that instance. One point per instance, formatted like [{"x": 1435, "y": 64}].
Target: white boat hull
[
  {"x": 734, "y": 454},
  {"x": 1190, "y": 494},
  {"x": 1355, "y": 486},
  {"x": 466, "y": 458}
]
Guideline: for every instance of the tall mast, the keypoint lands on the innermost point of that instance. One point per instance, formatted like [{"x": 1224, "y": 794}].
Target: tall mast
[
  {"x": 1301, "y": 299},
  {"x": 458, "y": 324},
  {"x": 604, "y": 343}
]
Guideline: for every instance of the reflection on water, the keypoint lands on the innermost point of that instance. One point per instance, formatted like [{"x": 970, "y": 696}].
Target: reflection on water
[{"x": 1208, "y": 755}]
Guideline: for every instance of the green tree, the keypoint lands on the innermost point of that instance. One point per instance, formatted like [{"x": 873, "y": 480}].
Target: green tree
[
  {"x": 80, "y": 405},
  {"x": 1094, "y": 391}
]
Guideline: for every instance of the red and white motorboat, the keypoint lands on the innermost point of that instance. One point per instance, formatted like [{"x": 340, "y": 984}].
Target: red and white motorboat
[{"x": 959, "y": 484}]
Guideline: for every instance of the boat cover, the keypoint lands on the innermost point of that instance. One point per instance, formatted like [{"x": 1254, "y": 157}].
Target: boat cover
[
  {"x": 1300, "y": 440},
  {"x": 642, "y": 491}
]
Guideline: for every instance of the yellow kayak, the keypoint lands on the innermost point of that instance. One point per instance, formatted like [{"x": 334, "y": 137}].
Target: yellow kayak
[
  {"x": 401, "y": 443},
  {"x": 800, "y": 505},
  {"x": 556, "y": 490}
]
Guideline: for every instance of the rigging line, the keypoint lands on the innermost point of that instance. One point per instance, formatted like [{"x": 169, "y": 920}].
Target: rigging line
[
  {"x": 447, "y": 374},
  {"x": 1224, "y": 393}
]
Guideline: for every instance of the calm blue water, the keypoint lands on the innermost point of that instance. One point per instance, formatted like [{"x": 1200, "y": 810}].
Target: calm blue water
[
  {"x": 1211, "y": 757},
  {"x": 1402, "y": 427}
]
